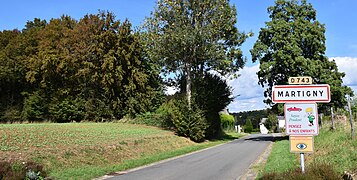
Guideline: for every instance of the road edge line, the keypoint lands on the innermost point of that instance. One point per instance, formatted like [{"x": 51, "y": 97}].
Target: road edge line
[
  {"x": 250, "y": 172},
  {"x": 163, "y": 161}
]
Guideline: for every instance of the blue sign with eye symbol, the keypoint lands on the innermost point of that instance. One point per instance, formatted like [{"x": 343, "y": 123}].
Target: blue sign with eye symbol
[{"x": 301, "y": 146}]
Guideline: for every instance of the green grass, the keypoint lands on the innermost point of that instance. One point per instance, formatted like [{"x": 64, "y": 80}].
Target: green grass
[
  {"x": 280, "y": 158},
  {"x": 336, "y": 148},
  {"x": 333, "y": 149},
  {"x": 88, "y": 172},
  {"x": 88, "y": 150}
]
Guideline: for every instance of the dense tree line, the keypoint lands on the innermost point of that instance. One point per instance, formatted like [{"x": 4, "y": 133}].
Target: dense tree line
[
  {"x": 98, "y": 68},
  {"x": 68, "y": 70},
  {"x": 254, "y": 116}
]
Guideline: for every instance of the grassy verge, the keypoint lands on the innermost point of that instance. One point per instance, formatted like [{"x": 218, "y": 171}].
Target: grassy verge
[
  {"x": 280, "y": 158},
  {"x": 88, "y": 150},
  {"x": 334, "y": 153}
]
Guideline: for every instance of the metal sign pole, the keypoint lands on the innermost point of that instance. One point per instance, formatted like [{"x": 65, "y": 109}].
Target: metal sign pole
[{"x": 302, "y": 159}]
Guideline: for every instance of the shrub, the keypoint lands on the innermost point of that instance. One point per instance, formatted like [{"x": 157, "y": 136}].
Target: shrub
[
  {"x": 188, "y": 122},
  {"x": 248, "y": 127},
  {"x": 97, "y": 110},
  {"x": 176, "y": 115},
  {"x": 67, "y": 110},
  {"x": 29, "y": 170},
  {"x": 160, "y": 118},
  {"x": 11, "y": 114},
  {"x": 227, "y": 121},
  {"x": 271, "y": 122},
  {"x": 210, "y": 100},
  {"x": 34, "y": 106},
  {"x": 313, "y": 171}
]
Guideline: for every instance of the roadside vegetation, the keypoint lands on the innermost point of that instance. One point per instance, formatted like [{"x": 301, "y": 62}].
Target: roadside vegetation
[
  {"x": 334, "y": 154},
  {"x": 87, "y": 150},
  {"x": 99, "y": 69}
]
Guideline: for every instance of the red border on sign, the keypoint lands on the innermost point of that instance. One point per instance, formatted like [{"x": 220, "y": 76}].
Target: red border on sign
[{"x": 301, "y": 86}]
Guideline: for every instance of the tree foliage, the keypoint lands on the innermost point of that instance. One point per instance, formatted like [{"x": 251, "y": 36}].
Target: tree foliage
[
  {"x": 248, "y": 127},
  {"x": 293, "y": 44},
  {"x": 192, "y": 37},
  {"x": 271, "y": 122},
  {"x": 255, "y": 116},
  {"x": 210, "y": 100},
  {"x": 227, "y": 121},
  {"x": 65, "y": 70}
]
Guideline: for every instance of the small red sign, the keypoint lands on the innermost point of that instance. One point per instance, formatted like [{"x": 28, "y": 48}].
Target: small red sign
[{"x": 294, "y": 109}]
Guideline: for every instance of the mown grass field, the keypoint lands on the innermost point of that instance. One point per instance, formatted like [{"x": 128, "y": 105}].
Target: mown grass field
[
  {"x": 333, "y": 149},
  {"x": 88, "y": 150}
]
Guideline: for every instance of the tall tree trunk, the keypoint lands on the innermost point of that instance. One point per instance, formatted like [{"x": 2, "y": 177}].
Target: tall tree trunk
[{"x": 188, "y": 84}]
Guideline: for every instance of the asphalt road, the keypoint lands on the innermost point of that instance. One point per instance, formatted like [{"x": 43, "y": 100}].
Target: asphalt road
[{"x": 228, "y": 161}]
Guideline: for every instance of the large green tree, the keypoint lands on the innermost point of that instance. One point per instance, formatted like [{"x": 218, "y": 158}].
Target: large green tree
[
  {"x": 190, "y": 37},
  {"x": 293, "y": 44},
  {"x": 92, "y": 69},
  {"x": 15, "y": 48}
]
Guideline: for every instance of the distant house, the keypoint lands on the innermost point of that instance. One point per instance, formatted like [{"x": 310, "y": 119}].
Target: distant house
[
  {"x": 224, "y": 111},
  {"x": 263, "y": 120},
  {"x": 281, "y": 123}
]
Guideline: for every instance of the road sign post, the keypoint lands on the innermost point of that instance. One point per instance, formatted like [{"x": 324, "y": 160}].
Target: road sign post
[
  {"x": 302, "y": 160},
  {"x": 301, "y": 116}
]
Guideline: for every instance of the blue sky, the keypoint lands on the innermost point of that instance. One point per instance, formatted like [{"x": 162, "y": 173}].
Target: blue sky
[{"x": 338, "y": 16}]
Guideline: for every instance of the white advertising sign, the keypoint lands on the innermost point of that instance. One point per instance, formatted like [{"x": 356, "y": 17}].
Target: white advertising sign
[
  {"x": 301, "y": 119},
  {"x": 301, "y": 93}
]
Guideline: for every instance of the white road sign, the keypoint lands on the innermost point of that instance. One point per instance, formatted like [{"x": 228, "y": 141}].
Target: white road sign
[
  {"x": 301, "y": 119},
  {"x": 301, "y": 93}
]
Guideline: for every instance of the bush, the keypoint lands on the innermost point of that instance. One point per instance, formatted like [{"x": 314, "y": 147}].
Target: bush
[
  {"x": 67, "y": 110},
  {"x": 176, "y": 115},
  {"x": 271, "y": 122},
  {"x": 34, "y": 106},
  {"x": 11, "y": 114},
  {"x": 248, "y": 127},
  {"x": 210, "y": 100},
  {"x": 97, "y": 110},
  {"x": 313, "y": 171},
  {"x": 160, "y": 118},
  {"x": 227, "y": 121},
  {"x": 187, "y": 122},
  {"x": 29, "y": 170}
]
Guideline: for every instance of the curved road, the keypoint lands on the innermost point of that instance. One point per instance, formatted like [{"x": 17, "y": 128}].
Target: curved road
[{"x": 228, "y": 161}]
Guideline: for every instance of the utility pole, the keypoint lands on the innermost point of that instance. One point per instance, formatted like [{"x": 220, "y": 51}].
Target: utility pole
[{"x": 351, "y": 121}]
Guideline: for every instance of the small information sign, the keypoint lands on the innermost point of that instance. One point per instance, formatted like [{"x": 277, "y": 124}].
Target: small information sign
[
  {"x": 301, "y": 119},
  {"x": 300, "y": 80},
  {"x": 301, "y": 144}
]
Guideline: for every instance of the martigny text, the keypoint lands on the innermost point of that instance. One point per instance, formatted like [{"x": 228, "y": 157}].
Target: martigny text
[{"x": 301, "y": 93}]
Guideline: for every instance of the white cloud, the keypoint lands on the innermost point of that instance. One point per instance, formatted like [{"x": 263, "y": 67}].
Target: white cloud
[
  {"x": 250, "y": 93},
  {"x": 348, "y": 65}
]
